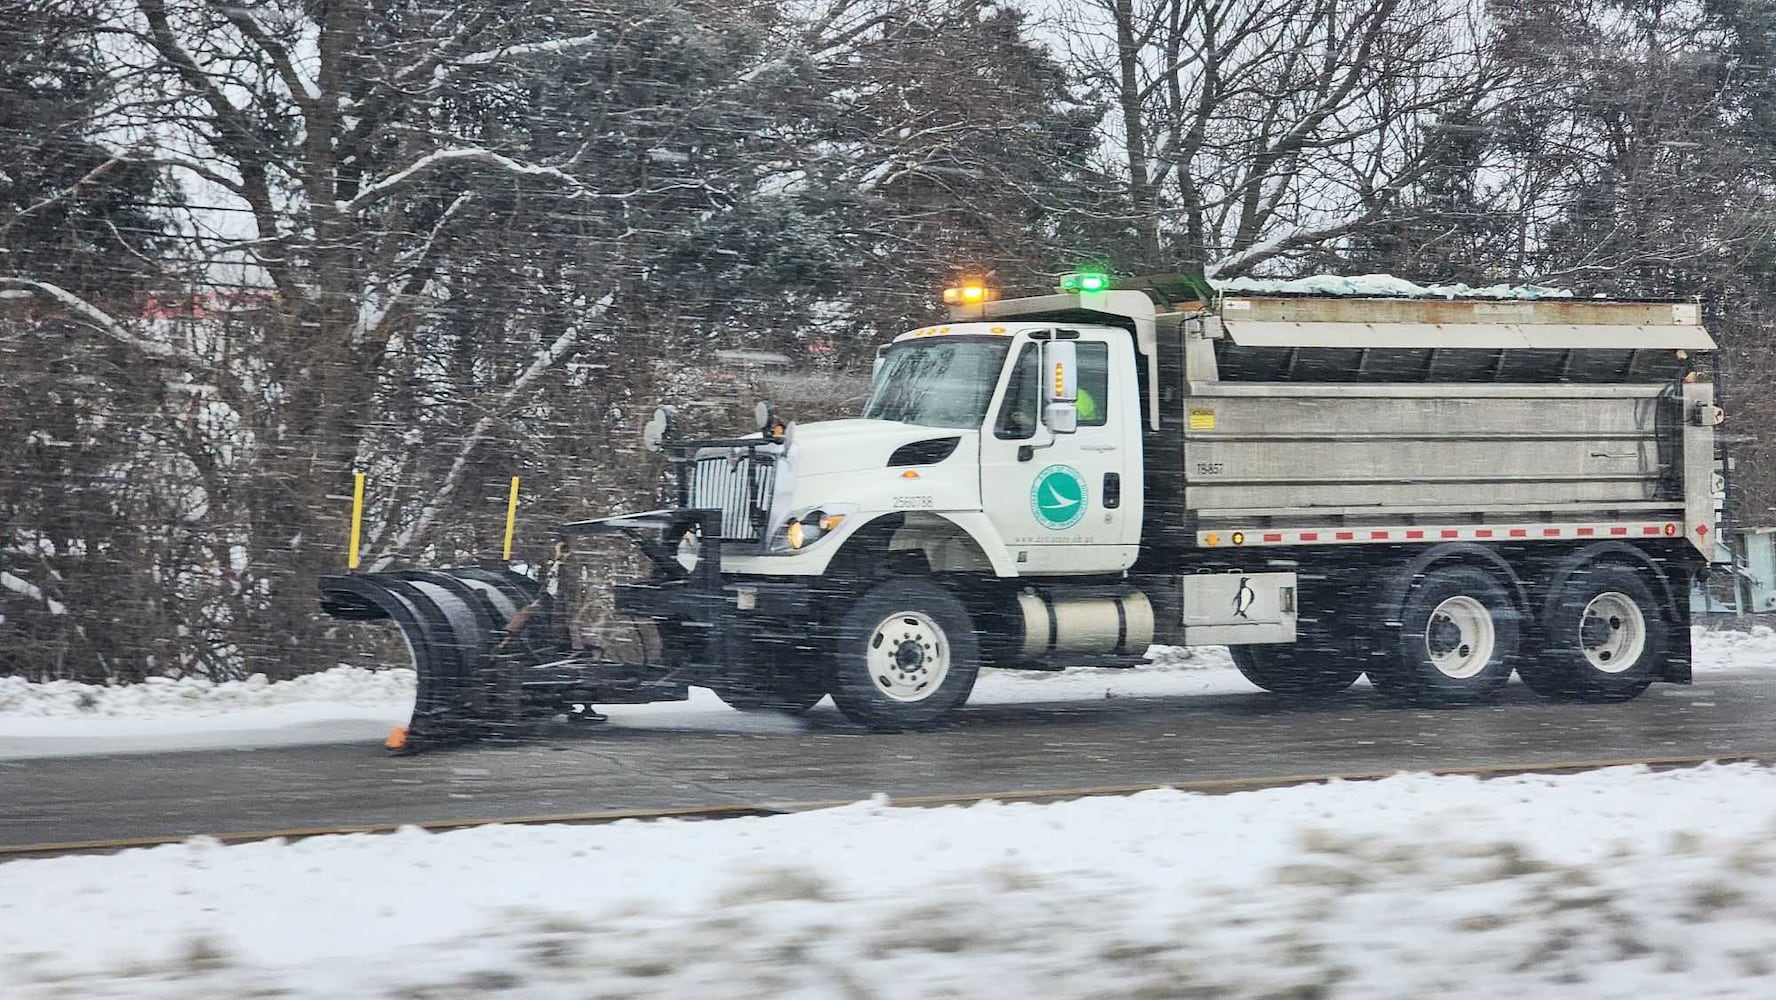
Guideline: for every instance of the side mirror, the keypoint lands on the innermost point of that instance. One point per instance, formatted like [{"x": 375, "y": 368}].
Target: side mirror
[
  {"x": 662, "y": 428},
  {"x": 1061, "y": 418}
]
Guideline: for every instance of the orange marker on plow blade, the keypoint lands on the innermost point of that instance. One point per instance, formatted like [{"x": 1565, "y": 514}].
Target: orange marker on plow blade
[{"x": 397, "y": 738}]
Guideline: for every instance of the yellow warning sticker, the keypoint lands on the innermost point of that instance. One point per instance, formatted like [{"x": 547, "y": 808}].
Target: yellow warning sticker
[{"x": 1202, "y": 420}]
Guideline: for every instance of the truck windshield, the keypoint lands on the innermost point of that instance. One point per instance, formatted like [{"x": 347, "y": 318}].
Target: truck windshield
[{"x": 937, "y": 382}]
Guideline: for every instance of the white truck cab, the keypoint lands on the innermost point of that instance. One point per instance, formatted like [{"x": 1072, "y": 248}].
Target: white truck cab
[{"x": 1026, "y": 437}]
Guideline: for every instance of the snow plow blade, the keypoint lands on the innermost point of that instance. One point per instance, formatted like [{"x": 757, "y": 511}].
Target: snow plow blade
[
  {"x": 493, "y": 650},
  {"x": 453, "y": 621},
  {"x": 491, "y": 660}
]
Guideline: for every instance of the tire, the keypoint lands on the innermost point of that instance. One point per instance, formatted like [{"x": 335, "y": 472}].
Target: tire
[
  {"x": 904, "y": 655},
  {"x": 1314, "y": 670},
  {"x": 1459, "y": 640},
  {"x": 787, "y": 681},
  {"x": 777, "y": 697},
  {"x": 1603, "y": 636}
]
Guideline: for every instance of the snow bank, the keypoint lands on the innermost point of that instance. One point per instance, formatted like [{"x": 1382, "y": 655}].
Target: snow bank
[
  {"x": 1733, "y": 649},
  {"x": 351, "y": 703},
  {"x": 160, "y": 696},
  {"x": 1384, "y": 286},
  {"x": 1618, "y": 883},
  {"x": 1173, "y": 671}
]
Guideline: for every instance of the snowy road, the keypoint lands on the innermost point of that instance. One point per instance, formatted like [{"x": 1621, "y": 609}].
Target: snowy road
[{"x": 995, "y": 748}]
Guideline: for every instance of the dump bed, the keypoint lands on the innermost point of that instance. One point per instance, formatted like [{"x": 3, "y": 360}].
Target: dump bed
[{"x": 1535, "y": 418}]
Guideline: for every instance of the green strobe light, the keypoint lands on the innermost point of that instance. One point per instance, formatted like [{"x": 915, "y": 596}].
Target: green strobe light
[{"x": 1086, "y": 281}]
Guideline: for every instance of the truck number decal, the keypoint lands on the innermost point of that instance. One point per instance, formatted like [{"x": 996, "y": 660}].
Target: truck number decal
[
  {"x": 913, "y": 503},
  {"x": 1210, "y": 468}
]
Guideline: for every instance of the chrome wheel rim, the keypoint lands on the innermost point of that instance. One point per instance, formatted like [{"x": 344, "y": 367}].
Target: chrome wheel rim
[
  {"x": 908, "y": 656},
  {"x": 1460, "y": 637},
  {"x": 1612, "y": 632}
]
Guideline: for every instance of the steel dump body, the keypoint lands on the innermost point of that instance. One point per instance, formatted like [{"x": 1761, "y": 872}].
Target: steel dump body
[
  {"x": 1391, "y": 451},
  {"x": 1310, "y": 412}
]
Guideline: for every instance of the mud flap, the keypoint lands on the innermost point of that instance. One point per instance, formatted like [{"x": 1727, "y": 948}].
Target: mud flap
[{"x": 454, "y": 623}]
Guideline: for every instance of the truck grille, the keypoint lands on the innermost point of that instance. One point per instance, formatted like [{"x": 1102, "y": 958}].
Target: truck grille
[{"x": 739, "y": 488}]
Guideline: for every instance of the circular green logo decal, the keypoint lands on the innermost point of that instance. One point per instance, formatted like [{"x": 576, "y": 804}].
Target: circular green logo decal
[{"x": 1057, "y": 497}]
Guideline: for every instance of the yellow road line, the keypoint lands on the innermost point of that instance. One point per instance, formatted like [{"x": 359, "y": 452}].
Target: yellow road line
[{"x": 1210, "y": 786}]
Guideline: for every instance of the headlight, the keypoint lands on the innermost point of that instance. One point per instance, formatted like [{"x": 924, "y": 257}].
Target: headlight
[{"x": 810, "y": 525}]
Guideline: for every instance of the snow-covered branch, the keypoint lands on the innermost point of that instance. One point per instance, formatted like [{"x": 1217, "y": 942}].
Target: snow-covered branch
[
  {"x": 1237, "y": 263},
  {"x": 512, "y": 53},
  {"x": 68, "y": 192},
  {"x": 374, "y": 315},
  {"x": 433, "y": 162},
  {"x": 301, "y": 87},
  {"x": 19, "y": 585},
  {"x": 554, "y": 354},
  {"x": 102, "y": 321}
]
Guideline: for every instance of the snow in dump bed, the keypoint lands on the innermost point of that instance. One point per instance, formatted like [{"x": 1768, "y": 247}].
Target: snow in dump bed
[
  {"x": 1611, "y": 884},
  {"x": 348, "y": 704},
  {"x": 1382, "y": 286}
]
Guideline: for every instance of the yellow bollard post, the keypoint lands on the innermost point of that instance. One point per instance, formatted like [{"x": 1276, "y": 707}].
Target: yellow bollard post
[
  {"x": 511, "y": 518},
  {"x": 351, "y": 558}
]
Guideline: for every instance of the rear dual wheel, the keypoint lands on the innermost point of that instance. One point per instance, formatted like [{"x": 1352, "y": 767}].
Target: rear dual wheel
[
  {"x": 1459, "y": 639},
  {"x": 1306, "y": 668},
  {"x": 1603, "y": 636}
]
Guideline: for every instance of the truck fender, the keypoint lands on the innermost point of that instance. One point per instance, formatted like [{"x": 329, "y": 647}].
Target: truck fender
[
  {"x": 1398, "y": 580},
  {"x": 975, "y": 526},
  {"x": 1610, "y": 552},
  {"x": 980, "y": 530}
]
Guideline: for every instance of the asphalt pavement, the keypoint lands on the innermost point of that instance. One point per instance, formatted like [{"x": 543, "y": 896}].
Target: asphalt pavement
[{"x": 987, "y": 749}]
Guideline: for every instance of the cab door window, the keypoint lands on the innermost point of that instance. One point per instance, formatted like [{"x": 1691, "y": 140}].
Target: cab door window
[
  {"x": 1020, "y": 411},
  {"x": 1094, "y": 384}
]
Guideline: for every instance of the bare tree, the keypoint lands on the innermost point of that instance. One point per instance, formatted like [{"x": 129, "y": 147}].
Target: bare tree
[
  {"x": 356, "y": 174},
  {"x": 1253, "y": 129}
]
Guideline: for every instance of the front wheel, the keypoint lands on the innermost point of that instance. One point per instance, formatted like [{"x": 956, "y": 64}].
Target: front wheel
[{"x": 904, "y": 656}]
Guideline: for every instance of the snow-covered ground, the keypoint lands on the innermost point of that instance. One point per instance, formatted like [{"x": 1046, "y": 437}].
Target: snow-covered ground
[
  {"x": 1618, "y": 883},
  {"x": 352, "y": 703}
]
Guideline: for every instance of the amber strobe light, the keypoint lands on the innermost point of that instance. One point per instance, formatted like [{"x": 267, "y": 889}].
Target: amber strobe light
[{"x": 970, "y": 292}]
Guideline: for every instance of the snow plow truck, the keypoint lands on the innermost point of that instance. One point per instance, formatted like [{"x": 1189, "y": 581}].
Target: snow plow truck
[{"x": 1432, "y": 492}]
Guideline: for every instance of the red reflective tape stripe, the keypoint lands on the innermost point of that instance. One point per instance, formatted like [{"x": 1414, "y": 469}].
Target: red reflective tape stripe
[
  {"x": 1415, "y": 534},
  {"x": 1273, "y": 536},
  {"x": 1587, "y": 532},
  {"x": 1652, "y": 529},
  {"x": 1483, "y": 533},
  {"x": 1378, "y": 534},
  {"x": 1451, "y": 533},
  {"x": 1519, "y": 532},
  {"x": 1310, "y": 536},
  {"x": 1618, "y": 530},
  {"x": 1345, "y": 536},
  {"x": 1550, "y": 532}
]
